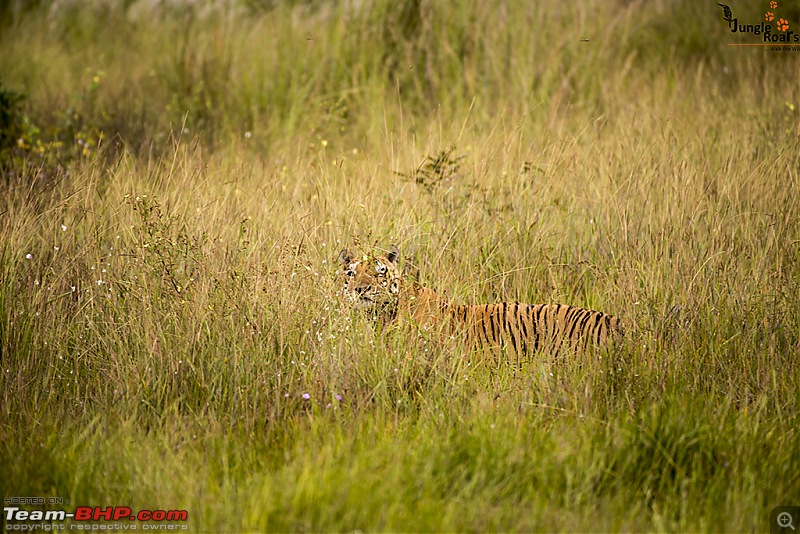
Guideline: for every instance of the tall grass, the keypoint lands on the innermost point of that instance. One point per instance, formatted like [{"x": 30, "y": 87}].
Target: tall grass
[{"x": 171, "y": 334}]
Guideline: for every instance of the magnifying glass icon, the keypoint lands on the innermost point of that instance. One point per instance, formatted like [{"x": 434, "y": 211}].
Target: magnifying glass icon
[{"x": 785, "y": 520}]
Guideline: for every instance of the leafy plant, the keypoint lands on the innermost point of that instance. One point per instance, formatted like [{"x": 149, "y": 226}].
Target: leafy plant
[{"x": 435, "y": 170}]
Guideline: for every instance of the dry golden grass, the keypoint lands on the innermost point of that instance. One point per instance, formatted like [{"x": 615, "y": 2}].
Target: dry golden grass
[{"x": 171, "y": 333}]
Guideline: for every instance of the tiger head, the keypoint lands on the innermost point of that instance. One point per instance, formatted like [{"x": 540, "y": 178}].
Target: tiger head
[{"x": 372, "y": 282}]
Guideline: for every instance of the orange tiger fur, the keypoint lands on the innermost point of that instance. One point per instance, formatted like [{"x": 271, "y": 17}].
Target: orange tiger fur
[{"x": 521, "y": 327}]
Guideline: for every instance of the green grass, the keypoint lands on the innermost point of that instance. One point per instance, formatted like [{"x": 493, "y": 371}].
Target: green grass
[{"x": 170, "y": 223}]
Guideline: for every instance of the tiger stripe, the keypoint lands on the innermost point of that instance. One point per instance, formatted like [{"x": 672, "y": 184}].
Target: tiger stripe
[
  {"x": 523, "y": 328},
  {"x": 520, "y": 327}
]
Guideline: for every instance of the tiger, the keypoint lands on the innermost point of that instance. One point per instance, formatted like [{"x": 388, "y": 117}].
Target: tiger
[{"x": 376, "y": 285}]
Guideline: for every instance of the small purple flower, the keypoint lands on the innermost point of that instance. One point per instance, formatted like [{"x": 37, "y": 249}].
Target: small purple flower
[
  {"x": 337, "y": 396},
  {"x": 328, "y": 405},
  {"x": 286, "y": 395},
  {"x": 306, "y": 396}
]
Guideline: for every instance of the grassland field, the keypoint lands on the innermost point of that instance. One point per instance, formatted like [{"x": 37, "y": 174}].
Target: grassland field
[{"x": 179, "y": 178}]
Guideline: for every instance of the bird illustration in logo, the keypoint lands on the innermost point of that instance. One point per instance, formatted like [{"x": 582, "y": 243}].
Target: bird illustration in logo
[{"x": 727, "y": 14}]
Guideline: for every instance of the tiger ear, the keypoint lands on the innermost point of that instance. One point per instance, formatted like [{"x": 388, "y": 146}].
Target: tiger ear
[
  {"x": 394, "y": 254},
  {"x": 345, "y": 257}
]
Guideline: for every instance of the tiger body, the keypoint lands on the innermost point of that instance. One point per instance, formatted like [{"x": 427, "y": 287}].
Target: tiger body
[{"x": 521, "y": 327}]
